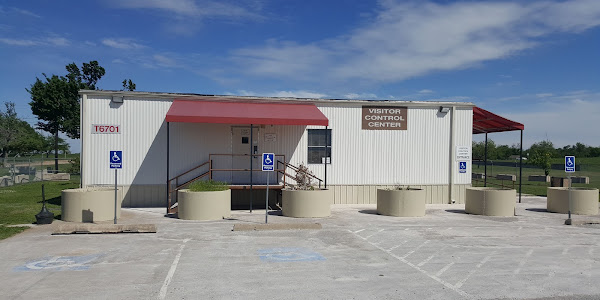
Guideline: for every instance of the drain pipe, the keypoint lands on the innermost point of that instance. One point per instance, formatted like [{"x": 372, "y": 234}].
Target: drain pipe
[{"x": 452, "y": 154}]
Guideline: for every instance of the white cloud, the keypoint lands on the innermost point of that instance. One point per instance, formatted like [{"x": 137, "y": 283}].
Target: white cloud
[
  {"x": 58, "y": 41},
  {"x": 51, "y": 41},
  {"x": 19, "y": 42},
  {"x": 185, "y": 17},
  {"x": 164, "y": 61},
  {"x": 191, "y": 8},
  {"x": 122, "y": 43},
  {"x": 425, "y": 91},
  {"x": 544, "y": 95},
  {"x": 26, "y": 12},
  {"x": 410, "y": 39},
  {"x": 564, "y": 119}
]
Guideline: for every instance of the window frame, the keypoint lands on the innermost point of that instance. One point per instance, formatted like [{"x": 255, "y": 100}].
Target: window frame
[{"x": 326, "y": 147}]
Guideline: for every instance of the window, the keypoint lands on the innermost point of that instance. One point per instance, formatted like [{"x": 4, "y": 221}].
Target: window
[{"x": 319, "y": 145}]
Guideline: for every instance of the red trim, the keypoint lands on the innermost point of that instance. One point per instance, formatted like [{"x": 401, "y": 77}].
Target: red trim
[
  {"x": 485, "y": 121},
  {"x": 188, "y": 111}
]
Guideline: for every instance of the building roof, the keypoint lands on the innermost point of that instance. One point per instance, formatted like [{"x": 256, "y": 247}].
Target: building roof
[
  {"x": 218, "y": 98},
  {"x": 487, "y": 122}
]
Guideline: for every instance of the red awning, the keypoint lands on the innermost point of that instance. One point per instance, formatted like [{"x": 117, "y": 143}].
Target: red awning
[
  {"x": 486, "y": 122},
  {"x": 187, "y": 111}
]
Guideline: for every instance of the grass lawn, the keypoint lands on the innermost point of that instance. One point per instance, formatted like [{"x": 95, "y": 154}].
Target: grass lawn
[
  {"x": 20, "y": 203},
  {"x": 590, "y": 168}
]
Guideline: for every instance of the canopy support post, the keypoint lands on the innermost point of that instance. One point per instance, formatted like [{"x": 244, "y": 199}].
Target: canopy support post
[
  {"x": 326, "y": 148},
  {"x": 520, "y": 166},
  {"x": 485, "y": 161},
  {"x": 251, "y": 168}
]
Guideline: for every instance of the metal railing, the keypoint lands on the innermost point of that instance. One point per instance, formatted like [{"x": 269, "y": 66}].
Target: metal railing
[{"x": 296, "y": 169}]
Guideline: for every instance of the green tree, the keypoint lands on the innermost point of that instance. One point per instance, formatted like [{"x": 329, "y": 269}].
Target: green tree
[
  {"x": 478, "y": 150},
  {"x": 16, "y": 135},
  {"x": 540, "y": 154},
  {"x": 55, "y": 100},
  {"x": 543, "y": 147},
  {"x": 128, "y": 85}
]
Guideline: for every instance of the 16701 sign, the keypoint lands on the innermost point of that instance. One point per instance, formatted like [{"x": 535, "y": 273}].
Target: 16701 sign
[{"x": 106, "y": 129}]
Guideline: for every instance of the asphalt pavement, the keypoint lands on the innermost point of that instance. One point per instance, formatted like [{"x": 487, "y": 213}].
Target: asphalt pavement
[{"x": 356, "y": 255}]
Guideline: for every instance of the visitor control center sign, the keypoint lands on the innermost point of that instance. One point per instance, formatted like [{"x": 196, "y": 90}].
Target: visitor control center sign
[{"x": 383, "y": 118}]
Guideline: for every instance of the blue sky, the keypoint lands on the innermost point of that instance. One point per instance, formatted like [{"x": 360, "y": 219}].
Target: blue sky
[{"x": 536, "y": 62}]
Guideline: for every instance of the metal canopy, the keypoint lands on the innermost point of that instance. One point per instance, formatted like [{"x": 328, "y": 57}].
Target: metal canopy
[
  {"x": 487, "y": 122},
  {"x": 260, "y": 113}
]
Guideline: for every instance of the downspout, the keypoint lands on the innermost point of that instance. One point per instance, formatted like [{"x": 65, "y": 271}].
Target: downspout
[
  {"x": 168, "y": 158},
  {"x": 452, "y": 154}
]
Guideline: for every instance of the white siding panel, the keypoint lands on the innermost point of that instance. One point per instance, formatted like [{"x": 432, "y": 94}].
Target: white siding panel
[
  {"x": 418, "y": 155},
  {"x": 143, "y": 141},
  {"x": 464, "y": 137}
]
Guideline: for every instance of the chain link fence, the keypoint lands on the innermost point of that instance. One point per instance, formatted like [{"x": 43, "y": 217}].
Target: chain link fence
[{"x": 38, "y": 167}]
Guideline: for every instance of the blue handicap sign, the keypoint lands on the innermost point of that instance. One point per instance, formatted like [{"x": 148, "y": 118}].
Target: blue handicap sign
[
  {"x": 462, "y": 167},
  {"x": 569, "y": 164},
  {"x": 268, "y": 162},
  {"x": 116, "y": 159}
]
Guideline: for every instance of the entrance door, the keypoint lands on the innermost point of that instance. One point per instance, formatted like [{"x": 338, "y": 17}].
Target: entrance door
[{"x": 241, "y": 144}]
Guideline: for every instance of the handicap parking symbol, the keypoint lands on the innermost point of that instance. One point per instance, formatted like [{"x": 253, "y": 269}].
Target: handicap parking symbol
[
  {"x": 462, "y": 167},
  {"x": 116, "y": 159},
  {"x": 268, "y": 162}
]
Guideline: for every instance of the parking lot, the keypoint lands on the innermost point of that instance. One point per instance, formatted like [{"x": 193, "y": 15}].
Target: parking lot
[{"x": 356, "y": 255}]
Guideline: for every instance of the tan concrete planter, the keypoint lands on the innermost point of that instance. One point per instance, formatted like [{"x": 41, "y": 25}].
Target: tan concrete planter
[
  {"x": 306, "y": 204},
  {"x": 584, "y": 201},
  {"x": 489, "y": 201},
  {"x": 203, "y": 205},
  {"x": 90, "y": 204},
  {"x": 401, "y": 203}
]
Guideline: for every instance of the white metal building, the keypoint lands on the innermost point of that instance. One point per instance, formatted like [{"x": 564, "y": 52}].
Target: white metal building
[{"x": 367, "y": 144}]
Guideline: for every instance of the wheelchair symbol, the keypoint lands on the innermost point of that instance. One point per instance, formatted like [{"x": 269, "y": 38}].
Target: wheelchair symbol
[
  {"x": 268, "y": 160},
  {"x": 115, "y": 158},
  {"x": 569, "y": 161}
]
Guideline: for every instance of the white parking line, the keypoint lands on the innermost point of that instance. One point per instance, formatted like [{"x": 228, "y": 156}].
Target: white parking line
[
  {"x": 413, "y": 251},
  {"x": 481, "y": 263},
  {"x": 163, "y": 289},
  {"x": 523, "y": 261},
  {"x": 380, "y": 230},
  {"x": 431, "y": 256},
  {"x": 444, "y": 269},
  {"x": 446, "y": 284}
]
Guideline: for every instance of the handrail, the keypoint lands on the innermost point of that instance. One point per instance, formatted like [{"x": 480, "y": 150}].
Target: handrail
[
  {"x": 297, "y": 169},
  {"x": 190, "y": 170},
  {"x": 211, "y": 169}
]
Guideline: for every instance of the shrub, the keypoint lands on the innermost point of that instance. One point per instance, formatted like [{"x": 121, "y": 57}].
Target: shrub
[
  {"x": 208, "y": 186},
  {"x": 303, "y": 178}
]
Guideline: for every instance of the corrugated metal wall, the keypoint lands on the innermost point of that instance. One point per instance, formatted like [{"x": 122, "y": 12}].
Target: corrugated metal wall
[
  {"x": 417, "y": 156},
  {"x": 142, "y": 140}
]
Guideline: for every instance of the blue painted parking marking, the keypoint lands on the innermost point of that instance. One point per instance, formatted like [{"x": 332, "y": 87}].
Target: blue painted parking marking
[
  {"x": 289, "y": 255},
  {"x": 59, "y": 263}
]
